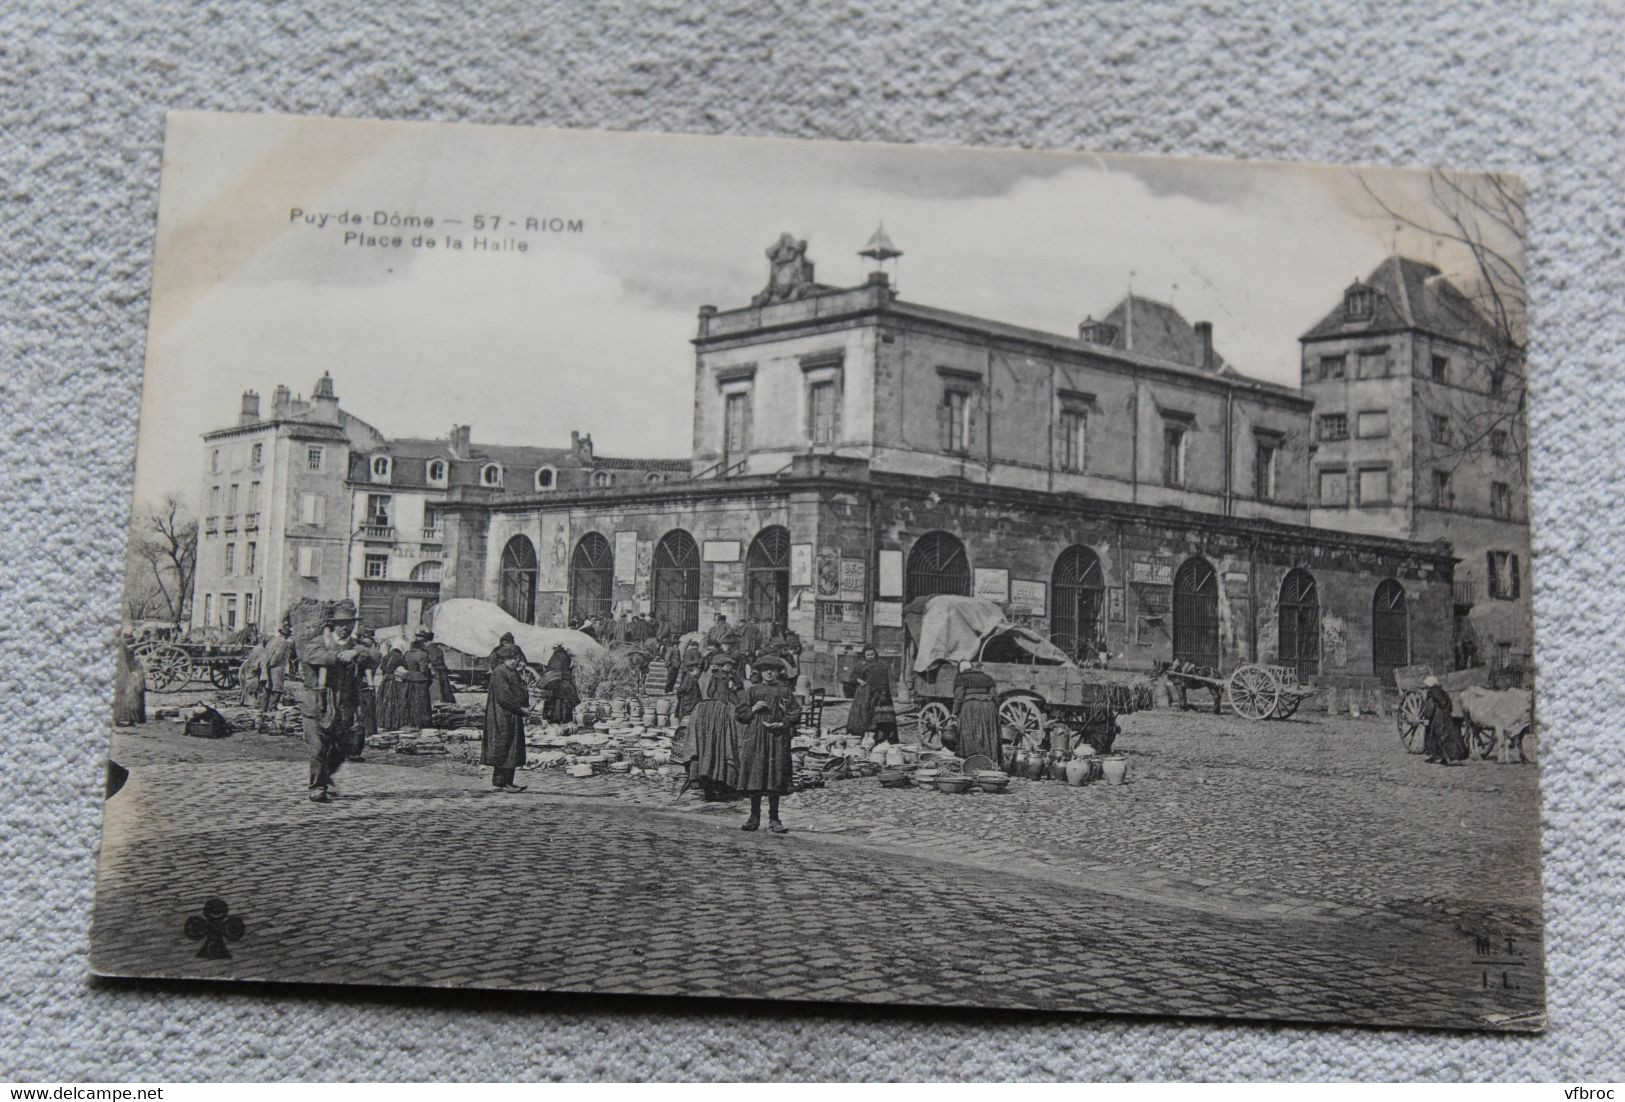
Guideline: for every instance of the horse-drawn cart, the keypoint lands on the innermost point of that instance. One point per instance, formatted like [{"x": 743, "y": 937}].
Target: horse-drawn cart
[{"x": 1253, "y": 691}]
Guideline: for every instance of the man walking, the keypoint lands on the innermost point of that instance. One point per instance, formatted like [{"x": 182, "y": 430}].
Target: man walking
[
  {"x": 503, "y": 747},
  {"x": 327, "y": 702}
]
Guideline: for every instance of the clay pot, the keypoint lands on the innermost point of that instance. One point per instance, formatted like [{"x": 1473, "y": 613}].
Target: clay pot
[
  {"x": 1057, "y": 766},
  {"x": 605, "y": 709},
  {"x": 1115, "y": 768},
  {"x": 1077, "y": 771},
  {"x": 1032, "y": 764},
  {"x": 634, "y": 709}
]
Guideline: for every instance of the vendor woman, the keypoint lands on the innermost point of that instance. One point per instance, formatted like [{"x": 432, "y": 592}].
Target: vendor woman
[
  {"x": 872, "y": 708},
  {"x": 769, "y": 712},
  {"x": 976, "y": 707}
]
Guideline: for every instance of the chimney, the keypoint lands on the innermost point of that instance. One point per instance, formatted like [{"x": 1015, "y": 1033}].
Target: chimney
[
  {"x": 1204, "y": 333},
  {"x": 325, "y": 400},
  {"x": 251, "y": 408},
  {"x": 280, "y": 397},
  {"x": 582, "y": 446},
  {"x": 461, "y": 435}
]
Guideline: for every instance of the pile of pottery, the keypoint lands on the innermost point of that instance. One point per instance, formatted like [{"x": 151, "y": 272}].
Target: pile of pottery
[{"x": 1067, "y": 768}]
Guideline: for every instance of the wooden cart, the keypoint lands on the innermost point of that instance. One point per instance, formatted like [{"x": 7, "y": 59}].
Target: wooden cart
[
  {"x": 173, "y": 665},
  {"x": 1408, "y": 716},
  {"x": 1254, "y": 691}
]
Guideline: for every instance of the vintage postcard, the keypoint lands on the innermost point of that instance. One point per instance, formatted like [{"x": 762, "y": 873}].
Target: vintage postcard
[{"x": 628, "y": 563}]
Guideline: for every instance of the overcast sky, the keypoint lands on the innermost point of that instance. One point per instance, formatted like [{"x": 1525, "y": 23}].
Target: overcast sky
[{"x": 591, "y": 331}]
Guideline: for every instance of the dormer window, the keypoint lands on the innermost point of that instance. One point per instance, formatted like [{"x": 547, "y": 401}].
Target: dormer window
[
  {"x": 491, "y": 474},
  {"x": 1097, "y": 332},
  {"x": 547, "y": 478},
  {"x": 602, "y": 478},
  {"x": 653, "y": 477},
  {"x": 434, "y": 472},
  {"x": 1358, "y": 302},
  {"x": 380, "y": 468}
]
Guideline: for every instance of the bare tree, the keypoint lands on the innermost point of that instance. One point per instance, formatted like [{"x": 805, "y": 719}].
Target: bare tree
[
  {"x": 1480, "y": 215},
  {"x": 165, "y": 543}
]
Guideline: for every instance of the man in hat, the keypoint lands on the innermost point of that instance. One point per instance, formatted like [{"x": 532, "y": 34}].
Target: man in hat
[
  {"x": 718, "y": 634},
  {"x": 503, "y": 747},
  {"x": 327, "y": 702}
]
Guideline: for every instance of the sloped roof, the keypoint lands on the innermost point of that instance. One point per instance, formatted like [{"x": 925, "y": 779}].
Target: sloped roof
[
  {"x": 1408, "y": 294},
  {"x": 1156, "y": 329}
]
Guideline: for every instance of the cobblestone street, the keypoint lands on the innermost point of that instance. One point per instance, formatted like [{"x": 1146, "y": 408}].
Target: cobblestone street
[{"x": 1307, "y": 870}]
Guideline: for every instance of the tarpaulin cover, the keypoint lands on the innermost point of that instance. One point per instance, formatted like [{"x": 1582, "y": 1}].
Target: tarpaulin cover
[
  {"x": 475, "y": 627},
  {"x": 953, "y": 629}
]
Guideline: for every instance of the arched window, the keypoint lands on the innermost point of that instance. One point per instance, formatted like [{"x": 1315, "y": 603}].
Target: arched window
[
  {"x": 434, "y": 472},
  {"x": 602, "y": 478},
  {"x": 518, "y": 593},
  {"x": 1297, "y": 642},
  {"x": 937, "y": 564},
  {"x": 677, "y": 580},
  {"x": 546, "y": 478},
  {"x": 1196, "y": 614},
  {"x": 592, "y": 578},
  {"x": 1390, "y": 630},
  {"x": 491, "y": 474},
  {"x": 1078, "y": 602},
  {"x": 380, "y": 467},
  {"x": 653, "y": 477},
  {"x": 767, "y": 575},
  {"x": 429, "y": 571}
]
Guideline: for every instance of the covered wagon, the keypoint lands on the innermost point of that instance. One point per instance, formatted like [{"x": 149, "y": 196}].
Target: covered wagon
[
  {"x": 1039, "y": 684},
  {"x": 470, "y": 630}
]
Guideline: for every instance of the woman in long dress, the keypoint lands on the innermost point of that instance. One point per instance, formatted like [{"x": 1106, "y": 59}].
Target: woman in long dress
[
  {"x": 392, "y": 691},
  {"x": 770, "y": 713},
  {"x": 713, "y": 733},
  {"x": 419, "y": 673},
  {"x": 560, "y": 679},
  {"x": 1442, "y": 743},
  {"x": 976, "y": 707},
  {"x": 872, "y": 708}
]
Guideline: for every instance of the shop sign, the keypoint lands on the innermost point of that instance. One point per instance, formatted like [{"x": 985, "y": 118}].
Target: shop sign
[
  {"x": 720, "y": 551},
  {"x": 1151, "y": 572},
  {"x": 891, "y": 574},
  {"x": 888, "y": 614},
  {"x": 853, "y": 575},
  {"x": 992, "y": 585},
  {"x": 1027, "y": 597}
]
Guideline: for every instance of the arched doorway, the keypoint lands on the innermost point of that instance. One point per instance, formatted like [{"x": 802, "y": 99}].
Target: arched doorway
[
  {"x": 1077, "y": 602},
  {"x": 767, "y": 575},
  {"x": 937, "y": 564},
  {"x": 1390, "y": 630},
  {"x": 677, "y": 580},
  {"x": 1196, "y": 614},
  {"x": 518, "y": 592},
  {"x": 592, "y": 578},
  {"x": 1297, "y": 641}
]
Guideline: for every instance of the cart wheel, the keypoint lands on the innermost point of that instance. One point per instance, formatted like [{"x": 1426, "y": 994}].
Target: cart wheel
[
  {"x": 1287, "y": 707},
  {"x": 1483, "y": 739},
  {"x": 1409, "y": 719},
  {"x": 934, "y": 716},
  {"x": 1253, "y": 692},
  {"x": 223, "y": 675},
  {"x": 167, "y": 666},
  {"x": 1025, "y": 713}
]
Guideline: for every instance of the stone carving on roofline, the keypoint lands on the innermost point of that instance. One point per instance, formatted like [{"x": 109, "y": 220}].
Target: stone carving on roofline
[{"x": 790, "y": 273}]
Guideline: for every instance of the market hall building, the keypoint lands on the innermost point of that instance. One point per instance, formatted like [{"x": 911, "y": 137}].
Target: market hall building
[{"x": 1122, "y": 490}]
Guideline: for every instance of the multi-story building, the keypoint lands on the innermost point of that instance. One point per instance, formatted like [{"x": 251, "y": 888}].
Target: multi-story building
[
  {"x": 312, "y": 501},
  {"x": 1418, "y": 434},
  {"x": 853, "y": 452},
  {"x": 275, "y": 508},
  {"x": 399, "y": 487}
]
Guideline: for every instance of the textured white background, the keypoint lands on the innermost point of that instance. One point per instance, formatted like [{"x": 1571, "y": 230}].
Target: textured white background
[{"x": 83, "y": 90}]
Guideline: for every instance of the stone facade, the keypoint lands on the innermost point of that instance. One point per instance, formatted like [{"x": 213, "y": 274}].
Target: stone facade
[{"x": 855, "y": 537}]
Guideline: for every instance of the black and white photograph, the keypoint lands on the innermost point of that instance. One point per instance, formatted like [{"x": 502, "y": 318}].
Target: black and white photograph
[{"x": 836, "y": 573}]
